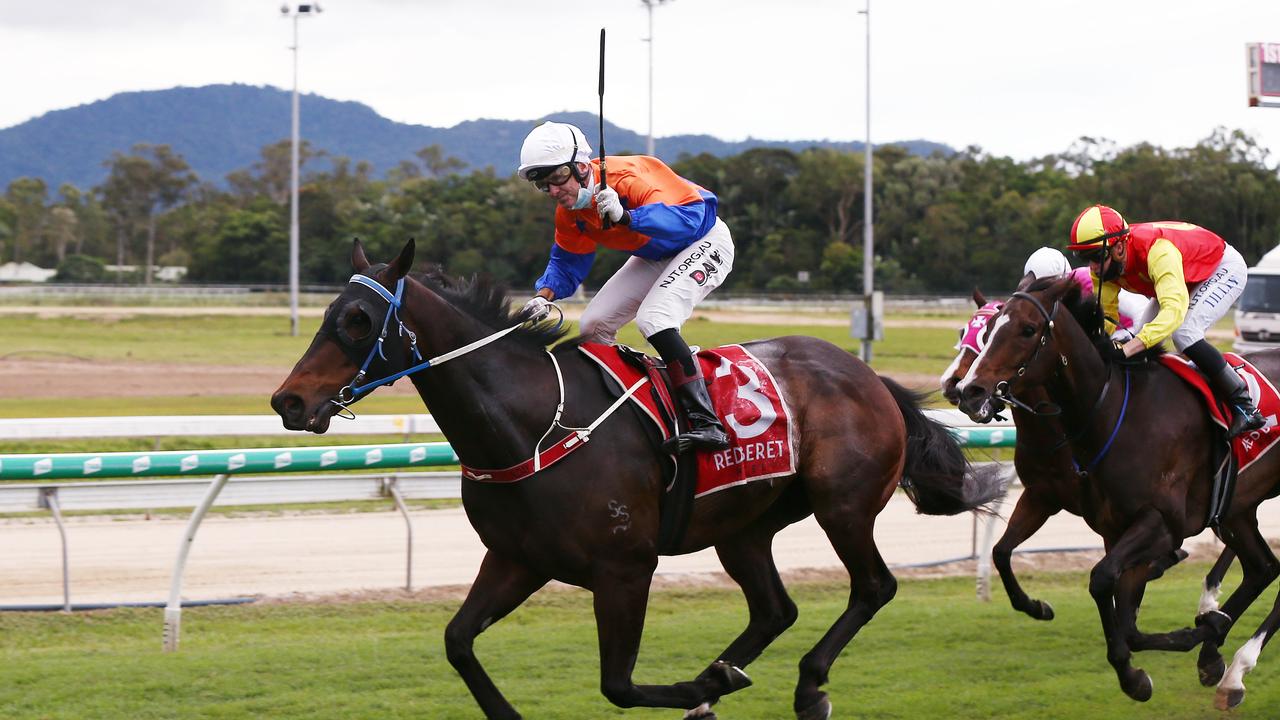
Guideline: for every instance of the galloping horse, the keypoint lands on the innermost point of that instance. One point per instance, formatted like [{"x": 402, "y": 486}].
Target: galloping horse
[
  {"x": 592, "y": 519},
  {"x": 1050, "y": 481},
  {"x": 1148, "y": 446}
]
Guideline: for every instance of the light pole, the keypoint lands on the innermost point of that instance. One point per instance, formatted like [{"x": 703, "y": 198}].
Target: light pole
[
  {"x": 301, "y": 10},
  {"x": 649, "y": 5},
  {"x": 868, "y": 229}
]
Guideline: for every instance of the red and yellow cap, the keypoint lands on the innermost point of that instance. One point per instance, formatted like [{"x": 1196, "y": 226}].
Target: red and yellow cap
[{"x": 1098, "y": 226}]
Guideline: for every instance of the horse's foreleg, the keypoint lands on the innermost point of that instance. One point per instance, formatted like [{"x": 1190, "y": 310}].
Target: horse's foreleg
[
  {"x": 620, "y": 604},
  {"x": 1240, "y": 532},
  {"x": 1131, "y": 549},
  {"x": 500, "y": 587},
  {"x": 1028, "y": 516}
]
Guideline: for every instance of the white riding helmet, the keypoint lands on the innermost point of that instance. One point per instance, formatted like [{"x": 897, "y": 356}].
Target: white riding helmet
[
  {"x": 551, "y": 144},
  {"x": 1046, "y": 262}
]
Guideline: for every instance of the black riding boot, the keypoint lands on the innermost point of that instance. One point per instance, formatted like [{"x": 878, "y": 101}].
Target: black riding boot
[
  {"x": 1231, "y": 389},
  {"x": 704, "y": 429}
]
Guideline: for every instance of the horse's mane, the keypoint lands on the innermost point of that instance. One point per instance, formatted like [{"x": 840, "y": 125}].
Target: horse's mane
[
  {"x": 485, "y": 300},
  {"x": 1086, "y": 310}
]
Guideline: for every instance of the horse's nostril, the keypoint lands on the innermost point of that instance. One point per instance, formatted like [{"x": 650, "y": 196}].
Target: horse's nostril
[
  {"x": 287, "y": 405},
  {"x": 973, "y": 390}
]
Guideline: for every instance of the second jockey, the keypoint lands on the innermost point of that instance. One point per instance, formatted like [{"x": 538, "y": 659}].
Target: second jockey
[{"x": 1191, "y": 272}]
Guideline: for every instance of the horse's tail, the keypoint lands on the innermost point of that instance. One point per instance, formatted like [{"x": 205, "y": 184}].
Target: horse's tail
[{"x": 938, "y": 478}]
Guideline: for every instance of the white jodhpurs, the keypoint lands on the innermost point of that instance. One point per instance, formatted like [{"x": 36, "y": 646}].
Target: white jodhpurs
[
  {"x": 660, "y": 294},
  {"x": 1212, "y": 298}
]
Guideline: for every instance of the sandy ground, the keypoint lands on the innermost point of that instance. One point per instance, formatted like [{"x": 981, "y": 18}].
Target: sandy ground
[{"x": 364, "y": 554}]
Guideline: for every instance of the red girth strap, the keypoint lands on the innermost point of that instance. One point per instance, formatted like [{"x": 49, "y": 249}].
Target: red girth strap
[{"x": 550, "y": 456}]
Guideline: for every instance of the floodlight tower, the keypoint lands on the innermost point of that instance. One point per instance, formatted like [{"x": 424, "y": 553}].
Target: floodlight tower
[
  {"x": 868, "y": 229},
  {"x": 295, "y": 12},
  {"x": 649, "y": 6}
]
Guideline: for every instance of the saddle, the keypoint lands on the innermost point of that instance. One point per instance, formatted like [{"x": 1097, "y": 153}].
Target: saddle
[
  {"x": 746, "y": 398},
  {"x": 1245, "y": 449}
]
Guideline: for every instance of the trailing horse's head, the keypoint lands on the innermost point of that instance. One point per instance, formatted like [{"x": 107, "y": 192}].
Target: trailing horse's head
[
  {"x": 1021, "y": 349},
  {"x": 360, "y": 332},
  {"x": 973, "y": 336}
]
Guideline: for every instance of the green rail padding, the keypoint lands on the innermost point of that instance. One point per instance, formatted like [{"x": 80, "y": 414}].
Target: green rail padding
[
  {"x": 217, "y": 462},
  {"x": 299, "y": 459},
  {"x": 990, "y": 437}
]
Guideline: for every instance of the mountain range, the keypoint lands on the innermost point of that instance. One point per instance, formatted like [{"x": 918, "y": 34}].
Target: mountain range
[{"x": 222, "y": 128}]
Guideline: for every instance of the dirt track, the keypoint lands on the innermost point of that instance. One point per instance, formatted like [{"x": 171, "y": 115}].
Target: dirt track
[{"x": 365, "y": 553}]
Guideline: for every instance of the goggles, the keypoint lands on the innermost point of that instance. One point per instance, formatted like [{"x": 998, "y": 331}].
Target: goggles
[
  {"x": 544, "y": 177},
  {"x": 1093, "y": 255}
]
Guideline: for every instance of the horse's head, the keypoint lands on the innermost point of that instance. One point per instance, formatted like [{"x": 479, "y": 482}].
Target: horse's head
[
  {"x": 1021, "y": 348},
  {"x": 973, "y": 336},
  {"x": 354, "y": 338}
]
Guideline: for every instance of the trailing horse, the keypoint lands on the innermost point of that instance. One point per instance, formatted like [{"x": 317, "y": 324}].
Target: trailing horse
[
  {"x": 592, "y": 518},
  {"x": 1050, "y": 481},
  {"x": 1147, "y": 447}
]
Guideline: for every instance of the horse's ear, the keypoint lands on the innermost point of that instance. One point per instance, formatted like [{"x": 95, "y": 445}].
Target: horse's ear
[
  {"x": 403, "y": 263},
  {"x": 359, "y": 262},
  {"x": 1026, "y": 281},
  {"x": 1067, "y": 290},
  {"x": 978, "y": 298}
]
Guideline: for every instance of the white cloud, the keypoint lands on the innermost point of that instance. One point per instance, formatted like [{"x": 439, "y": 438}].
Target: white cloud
[{"x": 1016, "y": 78}]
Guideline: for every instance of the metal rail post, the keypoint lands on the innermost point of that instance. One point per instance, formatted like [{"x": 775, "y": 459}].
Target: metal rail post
[
  {"x": 390, "y": 486},
  {"x": 49, "y": 498},
  {"x": 173, "y": 611}
]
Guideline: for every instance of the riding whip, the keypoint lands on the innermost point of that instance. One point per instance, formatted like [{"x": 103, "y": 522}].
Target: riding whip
[{"x": 606, "y": 223}]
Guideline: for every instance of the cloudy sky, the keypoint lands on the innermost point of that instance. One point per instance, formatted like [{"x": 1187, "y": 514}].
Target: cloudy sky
[{"x": 1016, "y": 77}]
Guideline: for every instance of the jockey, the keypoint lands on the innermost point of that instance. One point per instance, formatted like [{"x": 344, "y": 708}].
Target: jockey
[
  {"x": 1191, "y": 272},
  {"x": 680, "y": 252},
  {"x": 1134, "y": 311}
]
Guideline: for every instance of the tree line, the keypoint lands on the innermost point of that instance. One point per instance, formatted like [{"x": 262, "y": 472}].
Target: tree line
[{"x": 942, "y": 223}]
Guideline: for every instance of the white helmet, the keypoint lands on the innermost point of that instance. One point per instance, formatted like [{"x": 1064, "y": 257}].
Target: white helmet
[
  {"x": 551, "y": 144},
  {"x": 1046, "y": 262}
]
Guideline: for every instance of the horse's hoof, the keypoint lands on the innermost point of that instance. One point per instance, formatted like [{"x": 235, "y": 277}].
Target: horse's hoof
[
  {"x": 820, "y": 710},
  {"x": 1211, "y": 672},
  {"x": 728, "y": 677},
  {"x": 1138, "y": 685},
  {"x": 1044, "y": 611},
  {"x": 1227, "y": 699},
  {"x": 702, "y": 712}
]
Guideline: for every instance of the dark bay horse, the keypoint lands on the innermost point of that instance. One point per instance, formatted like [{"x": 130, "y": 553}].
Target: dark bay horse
[
  {"x": 1050, "y": 482},
  {"x": 592, "y": 519},
  {"x": 1147, "y": 444}
]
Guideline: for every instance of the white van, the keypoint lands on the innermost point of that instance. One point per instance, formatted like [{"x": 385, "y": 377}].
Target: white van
[{"x": 1258, "y": 311}]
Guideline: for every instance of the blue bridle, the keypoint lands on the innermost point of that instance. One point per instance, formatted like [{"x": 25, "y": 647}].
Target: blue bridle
[
  {"x": 354, "y": 390},
  {"x": 351, "y": 392}
]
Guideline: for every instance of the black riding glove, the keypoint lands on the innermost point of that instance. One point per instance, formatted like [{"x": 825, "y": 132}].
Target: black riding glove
[{"x": 1113, "y": 352}]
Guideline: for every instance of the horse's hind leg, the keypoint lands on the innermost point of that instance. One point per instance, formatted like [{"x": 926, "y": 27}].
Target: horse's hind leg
[
  {"x": 1028, "y": 516},
  {"x": 621, "y": 599},
  {"x": 872, "y": 587},
  {"x": 1231, "y": 689},
  {"x": 500, "y": 587},
  {"x": 1210, "y": 664},
  {"x": 1240, "y": 532},
  {"x": 748, "y": 559}
]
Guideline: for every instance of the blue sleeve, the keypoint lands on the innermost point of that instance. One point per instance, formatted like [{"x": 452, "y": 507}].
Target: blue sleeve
[
  {"x": 679, "y": 223},
  {"x": 565, "y": 271}
]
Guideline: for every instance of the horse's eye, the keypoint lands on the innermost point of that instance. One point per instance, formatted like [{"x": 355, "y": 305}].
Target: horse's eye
[
  {"x": 356, "y": 324},
  {"x": 1028, "y": 330}
]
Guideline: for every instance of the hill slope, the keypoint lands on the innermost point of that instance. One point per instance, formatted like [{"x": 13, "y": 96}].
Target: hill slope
[{"x": 221, "y": 128}]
